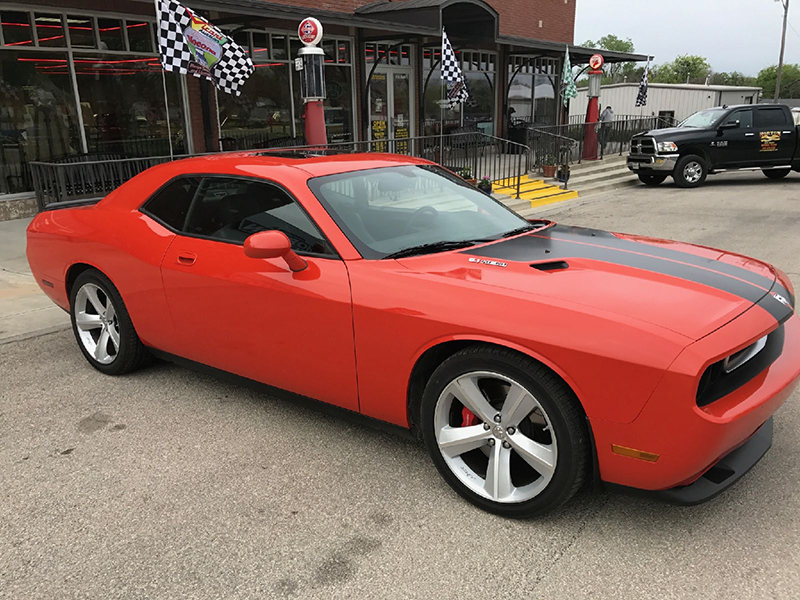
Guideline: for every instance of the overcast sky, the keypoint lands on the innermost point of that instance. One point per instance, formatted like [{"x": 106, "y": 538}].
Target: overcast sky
[{"x": 734, "y": 35}]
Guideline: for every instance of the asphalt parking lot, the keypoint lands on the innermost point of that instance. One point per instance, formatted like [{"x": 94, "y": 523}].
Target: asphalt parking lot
[{"x": 170, "y": 484}]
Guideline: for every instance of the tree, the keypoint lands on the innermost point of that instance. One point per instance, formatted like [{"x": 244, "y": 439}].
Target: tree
[
  {"x": 616, "y": 71},
  {"x": 732, "y": 78},
  {"x": 790, "y": 84},
  {"x": 685, "y": 68}
]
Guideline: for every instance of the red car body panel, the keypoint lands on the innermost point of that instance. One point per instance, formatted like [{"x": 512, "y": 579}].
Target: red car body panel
[{"x": 631, "y": 342}]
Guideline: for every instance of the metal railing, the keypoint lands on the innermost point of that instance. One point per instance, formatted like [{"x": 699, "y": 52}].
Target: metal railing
[
  {"x": 613, "y": 137},
  {"x": 471, "y": 154}
]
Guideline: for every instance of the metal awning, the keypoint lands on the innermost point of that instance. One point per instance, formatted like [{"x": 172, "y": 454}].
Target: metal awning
[{"x": 577, "y": 54}]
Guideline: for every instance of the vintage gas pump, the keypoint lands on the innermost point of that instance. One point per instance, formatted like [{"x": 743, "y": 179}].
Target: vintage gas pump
[
  {"x": 593, "y": 109},
  {"x": 310, "y": 62}
]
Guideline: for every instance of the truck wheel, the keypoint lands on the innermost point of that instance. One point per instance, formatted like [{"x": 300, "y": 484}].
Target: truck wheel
[
  {"x": 776, "y": 173},
  {"x": 691, "y": 171},
  {"x": 652, "y": 178}
]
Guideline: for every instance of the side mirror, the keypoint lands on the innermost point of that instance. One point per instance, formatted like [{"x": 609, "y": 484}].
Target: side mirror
[
  {"x": 273, "y": 244},
  {"x": 730, "y": 125}
]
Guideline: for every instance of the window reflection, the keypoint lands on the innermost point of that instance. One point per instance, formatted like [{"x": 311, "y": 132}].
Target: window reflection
[
  {"x": 50, "y": 31},
  {"x": 122, "y": 104},
  {"x": 38, "y": 120},
  {"x": 16, "y": 28}
]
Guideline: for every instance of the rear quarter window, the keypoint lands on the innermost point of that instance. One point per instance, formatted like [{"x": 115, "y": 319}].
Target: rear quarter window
[
  {"x": 170, "y": 204},
  {"x": 770, "y": 117}
]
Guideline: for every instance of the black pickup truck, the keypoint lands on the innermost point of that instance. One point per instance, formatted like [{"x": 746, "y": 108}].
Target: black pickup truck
[{"x": 760, "y": 136}]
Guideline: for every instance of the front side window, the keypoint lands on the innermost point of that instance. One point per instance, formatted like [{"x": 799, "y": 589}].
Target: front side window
[
  {"x": 231, "y": 210},
  {"x": 745, "y": 118},
  {"x": 396, "y": 209}
]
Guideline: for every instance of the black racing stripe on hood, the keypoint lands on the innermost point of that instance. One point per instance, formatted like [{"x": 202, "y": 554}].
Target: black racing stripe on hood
[
  {"x": 530, "y": 248},
  {"x": 609, "y": 240},
  {"x": 775, "y": 307}
]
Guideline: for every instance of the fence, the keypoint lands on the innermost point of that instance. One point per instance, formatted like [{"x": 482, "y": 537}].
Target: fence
[
  {"x": 613, "y": 137},
  {"x": 471, "y": 154}
]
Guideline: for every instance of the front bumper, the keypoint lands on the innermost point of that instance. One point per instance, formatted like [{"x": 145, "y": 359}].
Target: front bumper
[
  {"x": 722, "y": 475},
  {"x": 689, "y": 439},
  {"x": 645, "y": 164}
]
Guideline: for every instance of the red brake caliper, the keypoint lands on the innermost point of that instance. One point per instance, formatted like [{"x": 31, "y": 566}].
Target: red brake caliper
[{"x": 468, "y": 417}]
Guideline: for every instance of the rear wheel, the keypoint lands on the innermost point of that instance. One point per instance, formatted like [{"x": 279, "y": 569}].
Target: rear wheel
[
  {"x": 102, "y": 326},
  {"x": 691, "y": 171},
  {"x": 505, "y": 432},
  {"x": 776, "y": 173},
  {"x": 652, "y": 178}
]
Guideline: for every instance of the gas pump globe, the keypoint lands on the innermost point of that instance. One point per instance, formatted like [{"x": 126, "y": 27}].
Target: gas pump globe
[{"x": 310, "y": 63}]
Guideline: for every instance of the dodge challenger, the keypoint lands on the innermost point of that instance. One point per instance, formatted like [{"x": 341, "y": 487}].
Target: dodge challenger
[{"x": 531, "y": 358}]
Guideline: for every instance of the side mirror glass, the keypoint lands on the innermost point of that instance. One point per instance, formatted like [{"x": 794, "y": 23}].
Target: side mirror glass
[{"x": 273, "y": 244}]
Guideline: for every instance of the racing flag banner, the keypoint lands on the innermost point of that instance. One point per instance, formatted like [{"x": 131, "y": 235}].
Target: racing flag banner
[
  {"x": 457, "y": 92},
  {"x": 190, "y": 44}
]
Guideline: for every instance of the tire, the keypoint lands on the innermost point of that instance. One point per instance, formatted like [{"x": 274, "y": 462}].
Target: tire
[
  {"x": 490, "y": 465},
  {"x": 776, "y": 173},
  {"x": 103, "y": 327},
  {"x": 652, "y": 178},
  {"x": 691, "y": 171}
]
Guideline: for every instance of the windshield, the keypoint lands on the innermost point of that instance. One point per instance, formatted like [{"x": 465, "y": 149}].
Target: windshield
[
  {"x": 389, "y": 210},
  {"x": 704, "y": 118}
]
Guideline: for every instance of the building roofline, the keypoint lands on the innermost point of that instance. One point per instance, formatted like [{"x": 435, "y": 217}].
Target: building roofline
[{"x": 687, "y": 86}]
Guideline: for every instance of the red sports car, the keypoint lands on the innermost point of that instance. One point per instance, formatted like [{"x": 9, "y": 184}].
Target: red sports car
[{"x": 530, "y": 357}]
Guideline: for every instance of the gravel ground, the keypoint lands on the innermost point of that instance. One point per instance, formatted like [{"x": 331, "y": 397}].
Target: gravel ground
[{"x": 170, "y": 484}]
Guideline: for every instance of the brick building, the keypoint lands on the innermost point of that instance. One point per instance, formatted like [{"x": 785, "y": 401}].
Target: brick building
[{"x": 83, "y": 76}]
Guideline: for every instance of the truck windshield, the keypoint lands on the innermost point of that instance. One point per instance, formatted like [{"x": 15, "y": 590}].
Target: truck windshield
[{"x": 704, "y": 118}]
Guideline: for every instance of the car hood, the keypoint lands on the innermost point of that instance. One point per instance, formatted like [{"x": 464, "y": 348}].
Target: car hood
[
  {"x": 674, "y": 134},
  {"x": 687, "y": 289}
]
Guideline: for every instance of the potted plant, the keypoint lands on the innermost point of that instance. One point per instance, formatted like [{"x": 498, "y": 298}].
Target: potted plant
[
  {"x": 466, "y": 175},
  {"x": 548, "y": 165},
  {"x": 485, "y": 185}
]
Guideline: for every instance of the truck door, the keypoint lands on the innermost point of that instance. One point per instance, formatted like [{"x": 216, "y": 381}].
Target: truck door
[
  {"x": 736, "y": 143},
  {"x": 776, "y": 136}
]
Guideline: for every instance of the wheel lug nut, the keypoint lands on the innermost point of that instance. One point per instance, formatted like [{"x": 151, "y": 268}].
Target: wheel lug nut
[
  {"x": 497, "y": 418},
  {"x": 491, "y": 441},
  {"x": 506, "y": 445},
  {"x": 486, "y": 426},
  {"x": 511, "y": 431}
]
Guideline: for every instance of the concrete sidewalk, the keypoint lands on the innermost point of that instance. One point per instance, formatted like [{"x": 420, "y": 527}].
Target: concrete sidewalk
[{"x": 24, "y": 309}]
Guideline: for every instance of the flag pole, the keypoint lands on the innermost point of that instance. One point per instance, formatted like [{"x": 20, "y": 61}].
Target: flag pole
[
  {"x": 441, "y": 100},
  {"x": 164, "y": 84}
]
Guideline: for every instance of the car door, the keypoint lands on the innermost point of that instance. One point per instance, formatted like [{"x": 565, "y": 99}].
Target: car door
[
  {"x": 776, "y": 136},
  {"x": 736, "y": 143},
  {"x": 255, "y": 317}
]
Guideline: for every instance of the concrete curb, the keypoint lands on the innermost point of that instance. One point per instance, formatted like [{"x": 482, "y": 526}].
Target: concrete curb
[{"x": 33, "y": 334}]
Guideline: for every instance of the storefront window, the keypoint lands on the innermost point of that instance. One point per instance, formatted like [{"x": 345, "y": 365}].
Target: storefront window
[
  {"x": 81, "y": 31},
  {"x": 439, "y": 117},
  {"x": 338, "y": 104},
  {"x": 38, "y": 120},
  {"x": 262, "y": 115},
  {"x": 139, "y": 37},
  {"x": 532, "y": 94},
  {"x": 122, "y": 104},
  {"x": 16, "y": 28},
  {"x": 111, "y": 34},
  {"x": 50, "y": 31}
]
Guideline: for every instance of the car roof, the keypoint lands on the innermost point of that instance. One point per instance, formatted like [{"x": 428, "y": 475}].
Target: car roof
[{"x": 315, "y": 165}]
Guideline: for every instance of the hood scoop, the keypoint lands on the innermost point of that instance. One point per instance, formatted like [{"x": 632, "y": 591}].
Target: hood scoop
[{"x": 551, "y": 265}]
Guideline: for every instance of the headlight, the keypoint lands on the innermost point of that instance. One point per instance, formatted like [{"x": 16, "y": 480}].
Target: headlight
[{"x": 667, "y": 147}]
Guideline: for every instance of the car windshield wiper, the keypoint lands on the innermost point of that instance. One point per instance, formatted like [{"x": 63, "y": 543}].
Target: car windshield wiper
[
  {"x": 519, "y": 230},
  {"x": 430, "y": 248}
]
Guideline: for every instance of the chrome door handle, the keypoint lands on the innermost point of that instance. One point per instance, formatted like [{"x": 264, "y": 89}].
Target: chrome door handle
[{"x": 749, "y": 134}]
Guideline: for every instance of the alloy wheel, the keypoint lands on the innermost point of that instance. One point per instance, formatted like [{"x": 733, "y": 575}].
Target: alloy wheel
[
  {"x": 692, "y": 172},
  {"x": 97, "y": 323},
  {"x": 495, "y": 437}
]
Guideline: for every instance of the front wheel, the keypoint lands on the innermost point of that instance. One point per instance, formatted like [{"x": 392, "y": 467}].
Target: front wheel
[
  {"x": 103, "y": 327},
  {"x": 505, "y": 432},
  {"x": 652, "y": 178},
  {"x": 776, "y": 173},
  {"x": 691, "y": 171}
]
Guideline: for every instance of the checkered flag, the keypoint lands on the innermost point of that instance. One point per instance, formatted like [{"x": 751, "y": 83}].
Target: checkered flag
[
  {"x": 451, "y": 74},
  {"x": 190, "y": 44},
  {"x": 641, "y": 98}
]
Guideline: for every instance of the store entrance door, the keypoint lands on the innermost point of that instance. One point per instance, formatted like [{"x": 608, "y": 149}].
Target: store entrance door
[{"x": 391, "y": 111}]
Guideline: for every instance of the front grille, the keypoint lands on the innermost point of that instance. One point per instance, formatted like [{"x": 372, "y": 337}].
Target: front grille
[
  {"x": 720, "y": 379},
  {"x": 643, "y": 146}
]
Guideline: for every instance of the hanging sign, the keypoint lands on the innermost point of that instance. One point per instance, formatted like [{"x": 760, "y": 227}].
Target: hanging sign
[
  {"x": 596, "y": 62},
  {"x": 310, "y": 31}
]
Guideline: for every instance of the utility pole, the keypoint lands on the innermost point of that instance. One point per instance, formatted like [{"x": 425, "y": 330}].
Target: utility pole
[{"x": 785, "y": 4}]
